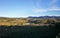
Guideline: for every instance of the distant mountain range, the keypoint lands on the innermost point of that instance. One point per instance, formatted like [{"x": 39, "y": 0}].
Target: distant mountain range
[
  {"x": 44, "y": 17},
  {"x": 37, "y": 17}
]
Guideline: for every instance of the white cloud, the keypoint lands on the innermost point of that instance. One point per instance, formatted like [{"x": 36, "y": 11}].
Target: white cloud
[
  {"x": 54, "y": 8},
  {"x": 46, "y": 10},
  {"x": 39, "y": 10},
  {"x": 53, "y": 2},
  {"x": 36, "y": 3}
]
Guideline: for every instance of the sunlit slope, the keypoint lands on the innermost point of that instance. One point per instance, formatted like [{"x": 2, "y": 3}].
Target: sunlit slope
[
  {"x": 12, "y": 21},
  {"x": 27, "y": 21}
]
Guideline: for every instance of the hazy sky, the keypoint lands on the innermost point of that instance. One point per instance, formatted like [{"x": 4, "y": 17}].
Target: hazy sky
[{"x": 23, "y": 8}]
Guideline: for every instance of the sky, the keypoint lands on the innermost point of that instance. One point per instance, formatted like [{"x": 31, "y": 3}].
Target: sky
[{"x": 25, "y": 8}]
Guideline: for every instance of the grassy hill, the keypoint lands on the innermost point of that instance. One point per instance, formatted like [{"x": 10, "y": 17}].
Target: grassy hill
[{"x": 6, "y": 21}]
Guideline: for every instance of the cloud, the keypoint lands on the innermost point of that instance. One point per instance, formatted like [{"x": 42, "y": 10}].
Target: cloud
[
  {"x": 53, "y": 2},
  {"x": 36, "y": 3},
  {"x": 39, "y": 10},
  {"x": 52, "y": 7},
  {"x": 46, "y": 10}
]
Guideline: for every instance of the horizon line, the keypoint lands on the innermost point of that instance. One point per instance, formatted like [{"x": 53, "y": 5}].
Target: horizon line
[{"x": 25, "y": 16}]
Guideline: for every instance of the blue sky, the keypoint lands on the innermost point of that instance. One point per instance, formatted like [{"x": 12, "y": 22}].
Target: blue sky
[{"x": 24, "y": 8}]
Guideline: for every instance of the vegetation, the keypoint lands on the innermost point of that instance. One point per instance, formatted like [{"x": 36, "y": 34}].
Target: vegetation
[
  {"x": 27, "y": 32},
  {"x": 26, "y": 21},
  {"x": 21, "y": 28},
  {"x": 30, "y": 31}
]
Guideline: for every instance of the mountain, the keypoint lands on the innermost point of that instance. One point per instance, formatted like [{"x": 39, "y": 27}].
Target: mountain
[{"x": 58, "y": 17}]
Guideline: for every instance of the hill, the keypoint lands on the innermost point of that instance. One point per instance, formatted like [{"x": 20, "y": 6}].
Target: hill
[{"x": 41, "y": 20}]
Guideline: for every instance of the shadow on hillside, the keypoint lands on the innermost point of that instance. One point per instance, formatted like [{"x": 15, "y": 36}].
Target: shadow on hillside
[{"x": 29, "y": 31}]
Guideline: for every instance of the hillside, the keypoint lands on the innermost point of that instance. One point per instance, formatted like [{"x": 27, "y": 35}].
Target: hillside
[{"x": 6, "y": 21}]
